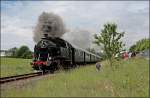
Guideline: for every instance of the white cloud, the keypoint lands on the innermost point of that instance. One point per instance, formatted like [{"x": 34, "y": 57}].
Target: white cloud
[
  {"x": 131, "y": 17},
  {"x": 15, "y": 26}
]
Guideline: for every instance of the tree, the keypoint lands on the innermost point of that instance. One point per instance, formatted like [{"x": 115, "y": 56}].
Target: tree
[
  {"x": 109, "y": 39},
  {"x": 27, "y": 55},
  {"x": 141, "y": 45},
  {"x": 24, "y": 52},
  {"x": 132, "y": 48}
]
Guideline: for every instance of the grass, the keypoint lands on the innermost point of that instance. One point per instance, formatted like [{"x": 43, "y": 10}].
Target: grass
[
  {"x": 130, "y": 79},
  {"x": 14, "y": 66}
]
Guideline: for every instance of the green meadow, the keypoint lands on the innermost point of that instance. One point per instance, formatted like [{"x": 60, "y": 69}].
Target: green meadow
[
  {"x": 14, "y": 66},
  {"x": 129, "y": 79}
]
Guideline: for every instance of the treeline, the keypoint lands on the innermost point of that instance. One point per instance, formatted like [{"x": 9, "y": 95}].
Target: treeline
[
  {"x": 141, "y": 45},
  {"x": 21, "y": 52}
]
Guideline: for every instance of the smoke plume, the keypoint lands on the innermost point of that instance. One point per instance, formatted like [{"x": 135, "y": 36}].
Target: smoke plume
[
  {"x": 79, "y": 38},
  {"x": 50, "y": 24}
]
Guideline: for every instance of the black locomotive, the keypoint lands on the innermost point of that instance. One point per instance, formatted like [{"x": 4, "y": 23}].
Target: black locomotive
[{"x": 55, "y": 53}]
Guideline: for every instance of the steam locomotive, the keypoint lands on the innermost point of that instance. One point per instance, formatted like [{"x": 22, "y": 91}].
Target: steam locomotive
[{"x": 55, "y": 53}]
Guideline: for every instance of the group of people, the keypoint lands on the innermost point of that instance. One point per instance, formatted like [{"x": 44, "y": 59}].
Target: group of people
[{"x": 127, "y": 55}]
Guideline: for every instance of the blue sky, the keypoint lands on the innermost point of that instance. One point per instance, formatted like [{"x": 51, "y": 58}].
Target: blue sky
[{"x": 18, "y": 19}]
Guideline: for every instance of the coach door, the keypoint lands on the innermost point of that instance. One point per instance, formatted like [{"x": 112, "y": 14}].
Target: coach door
[{"x": 72, "y": 55}]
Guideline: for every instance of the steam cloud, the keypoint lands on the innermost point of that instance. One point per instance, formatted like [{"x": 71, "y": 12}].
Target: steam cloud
[
  {"x": 79, "y": 38},
  {"x": 50, "y": 24},
  {"x": 53, "y": 25}
]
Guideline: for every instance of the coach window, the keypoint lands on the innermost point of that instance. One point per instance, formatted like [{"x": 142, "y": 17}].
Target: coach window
[
  {"x": 81, "y": 53},
  {"x": 76, "y": 52}
]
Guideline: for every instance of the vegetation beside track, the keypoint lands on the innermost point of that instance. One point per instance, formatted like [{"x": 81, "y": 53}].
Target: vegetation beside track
[
  {"x": 14, "y": 66},
  {"x": 131, "y": 78}
]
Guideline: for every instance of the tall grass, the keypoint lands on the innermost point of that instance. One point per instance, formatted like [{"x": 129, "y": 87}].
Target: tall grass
[
  {"x": 14, "y": 66},
  {"x": 130, "y": 79}
]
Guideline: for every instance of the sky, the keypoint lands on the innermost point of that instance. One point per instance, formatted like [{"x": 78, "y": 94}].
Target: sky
[{"x": 83, "y": 19}]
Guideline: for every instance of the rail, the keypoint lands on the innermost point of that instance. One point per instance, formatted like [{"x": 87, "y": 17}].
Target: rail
[{"x": 19, "y": 77}]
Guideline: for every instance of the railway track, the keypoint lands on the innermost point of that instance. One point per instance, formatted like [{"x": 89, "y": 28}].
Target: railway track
[{"x": 20, "y": 77}]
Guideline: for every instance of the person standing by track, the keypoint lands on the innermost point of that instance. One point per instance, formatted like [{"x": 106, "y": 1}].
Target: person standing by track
[{"x": 98, "y": 66}]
